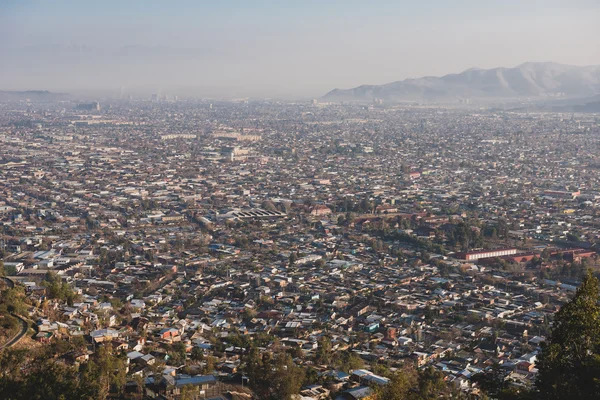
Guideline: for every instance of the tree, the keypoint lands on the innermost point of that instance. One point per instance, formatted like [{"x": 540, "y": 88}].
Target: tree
[
  {"x": 57, "y": 289},
  {"x": 50, "y": 380},
  {"x": 273, "y": 376},
  {"x": 410, "y": 384},
  {"x": 323, "y": 354},
  {"x": 292, "y": 259},
  {"x": 569, "y": 363},
  {"x": 349, "y": 361},
  {"x": 27, "y": 375},
  {"x": 210, "y": 365},
  {"x": 255, "y": 366},
  {"x": 14, "y": 300},
  {"x": 432, "y": 385},
  {"x": 140, "y": 385},
  {"x": 197, "y": 354},
  {"x": 178, "y": 354},
  {"x": 493, "y": 383},
  {"x": 104, "y": 373},
  {"x": 399, "y": 387},
  {"x": 189, "y": 392}
]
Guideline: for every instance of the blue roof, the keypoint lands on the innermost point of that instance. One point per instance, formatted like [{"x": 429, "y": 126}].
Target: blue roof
[
  {"x": 341, "y": 375},
  {"x": 196, "y": 380},
  {"x": 379, "y": 380},
  {"x": 183, "y": 380},
  {"x": 336, "y": 374}
]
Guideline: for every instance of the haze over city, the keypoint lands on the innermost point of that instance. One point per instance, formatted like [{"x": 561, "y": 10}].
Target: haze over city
[{"x": 278, "y": 49}]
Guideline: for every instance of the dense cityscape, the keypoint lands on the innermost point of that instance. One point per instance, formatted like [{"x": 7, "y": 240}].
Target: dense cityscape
[{"x": 182, "y": 249}]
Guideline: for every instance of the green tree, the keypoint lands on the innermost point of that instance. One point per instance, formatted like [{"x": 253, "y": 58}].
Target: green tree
[
  {"x": 178, "y": 354},
  {"x": 493, "y": 383},
  {"x": 14, "y": 300},
  {"x": 432, "y": 384},
  {"x": 104, "y": 373},
  {"x": 197, "y": 354},
  {"x": 400, "y": 386},
  {"x": 349, "y": 361},
  {"x": 323, "y": 353},
  {"x": 51, "y": 380},
  {"x": 292, "y": 259},
  {"x": 569, "y": 363},
  {"x": 210, "y": 365},
  {"x": 57, "y": 289},
  {"x": 189, "y": 392},
  {"x": 28, "y": 375},
  {"x": 410, "y": 384},
  {"x": 273, "y": 376}
]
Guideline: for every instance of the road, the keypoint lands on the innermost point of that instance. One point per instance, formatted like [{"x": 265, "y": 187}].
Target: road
[
  {"x": 15, "y": 339},
  {"x": 9, "y": 282},
  {"x": 24, "y": 325}
]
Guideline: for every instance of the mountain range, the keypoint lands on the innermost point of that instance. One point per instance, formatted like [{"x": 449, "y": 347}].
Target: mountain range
[
  {"x": 531, "y": 80},
  {"x": 36, "y": 95}
]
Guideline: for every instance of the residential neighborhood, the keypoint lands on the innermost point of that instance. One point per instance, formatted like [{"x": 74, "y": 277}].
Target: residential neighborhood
[{"x": 347, "y": 241}]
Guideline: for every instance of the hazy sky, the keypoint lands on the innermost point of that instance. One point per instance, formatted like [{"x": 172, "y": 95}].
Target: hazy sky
[{"x": 280, "y": 47}]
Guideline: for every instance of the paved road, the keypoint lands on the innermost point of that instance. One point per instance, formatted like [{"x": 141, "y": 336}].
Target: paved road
[
  {"x": 9, "y": 282},
  {"x": 24, "y": 325},
  {"x": 15, "y": 339}
]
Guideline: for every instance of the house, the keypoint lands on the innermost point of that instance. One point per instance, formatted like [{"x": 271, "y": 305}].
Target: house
[
  {"x": 102, "y": 335},
  {"x": 337, "y": 376},
  {"x": 168, "y": 333},
  {"x": 386, "y": 209},
  {"x": 170, "y": 386},
  {"x": 317, "y": 392},
  {"x": 44, "y": 337},
  {"x": 119, "y": 345},
  {"x": 77, "y": 357},
  {"x": 148, "y": 359},
  {"x": 320, "y": 209},
  {"x": 136, "y": 303},
  {"x": 524, "y": 367},
  {"x": 358, "y": 393},
  {"x": 425, "y": 232},
  {"x": 366, "y": 377},
  {"x": 134, "y": 355}
]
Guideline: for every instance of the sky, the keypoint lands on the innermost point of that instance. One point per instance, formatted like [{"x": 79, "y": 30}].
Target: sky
[{"x": 279, "y": 48}]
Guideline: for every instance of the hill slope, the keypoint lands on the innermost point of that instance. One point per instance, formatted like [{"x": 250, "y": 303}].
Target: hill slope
[
  {"x": 36, "y": 95},
  {"x": 528, "y": 80}
]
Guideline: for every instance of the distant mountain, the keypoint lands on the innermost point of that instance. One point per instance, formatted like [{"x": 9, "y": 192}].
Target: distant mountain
[
  {"x": 593, "y": 107},
  {"x": 566, "y": 105},
  {"x": 37, "y": 95},
  {"x": 586, "y": 105},
  {"x": 528, "y": 80}
]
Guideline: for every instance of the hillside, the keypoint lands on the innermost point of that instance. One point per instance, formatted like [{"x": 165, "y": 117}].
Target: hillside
[
  {"x": 37, "y": 95},
  {"x": 528, "y": 80}
]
